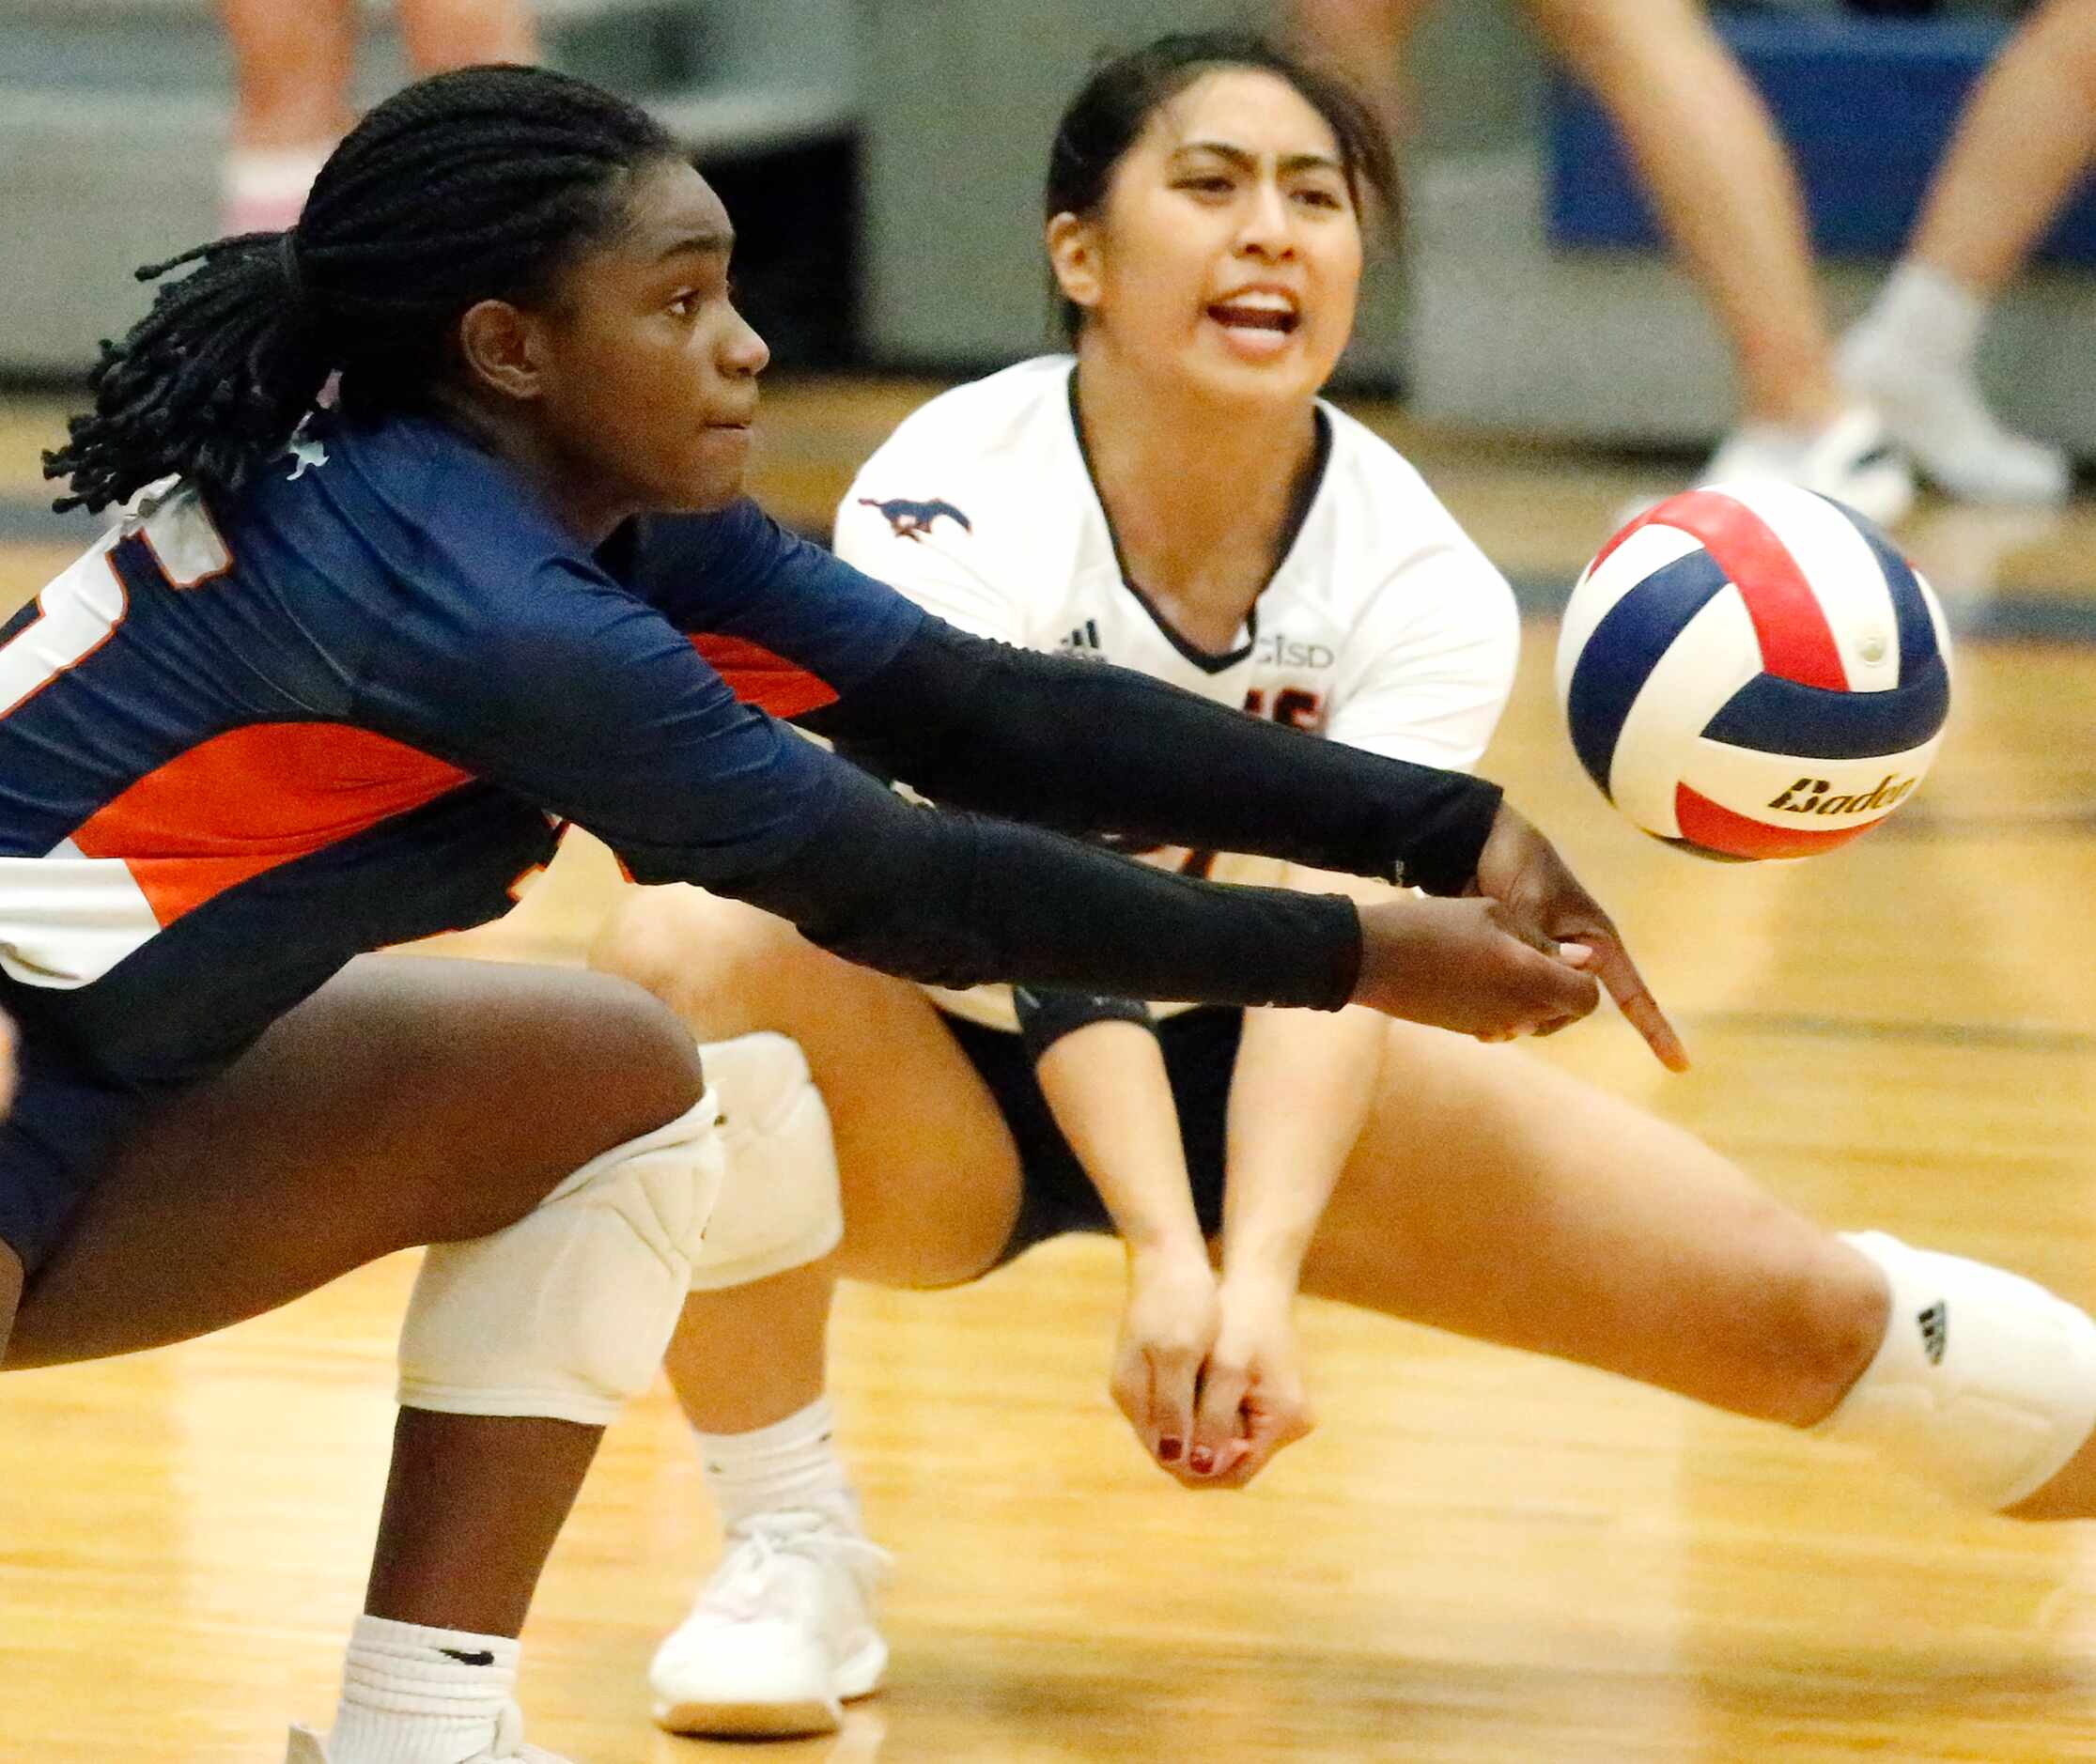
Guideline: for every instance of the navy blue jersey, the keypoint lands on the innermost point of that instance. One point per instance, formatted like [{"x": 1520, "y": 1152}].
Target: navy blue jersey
[{"x": 353, "y": 706}]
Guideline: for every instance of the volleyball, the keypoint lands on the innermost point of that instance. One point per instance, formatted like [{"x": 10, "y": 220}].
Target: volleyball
[{"x": 1753, "y": 671}]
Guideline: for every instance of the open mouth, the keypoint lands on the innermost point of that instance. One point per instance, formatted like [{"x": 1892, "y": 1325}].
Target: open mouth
[{"x": 1273, "y": 314}]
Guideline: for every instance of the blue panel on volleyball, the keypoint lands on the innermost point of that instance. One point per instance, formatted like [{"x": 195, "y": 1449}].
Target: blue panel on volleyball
[
  {"x": 1774, "y": 716},
  {"x": 1866, "y": 105},
  {"x": 1626, "y": 647}
]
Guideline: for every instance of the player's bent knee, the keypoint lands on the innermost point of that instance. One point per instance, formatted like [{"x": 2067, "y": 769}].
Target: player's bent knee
[
  {"x": 565, "y": 1313},
  {"x": 698, "y": 954},
  {"x": 758, "y": 957},
  {"x": 1984, "y": 1384},
  {"x": 647, "y": 938},
  {"x": 780, "y": 1205},
  {"x": 1821, "y": 1319},
  {"x": 642, "y": 1051}
]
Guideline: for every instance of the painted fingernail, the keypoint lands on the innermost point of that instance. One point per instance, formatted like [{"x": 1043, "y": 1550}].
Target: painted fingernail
[
  {"x": 1167, "y": 1450},
  {"x": 1203, "y": 1460}
]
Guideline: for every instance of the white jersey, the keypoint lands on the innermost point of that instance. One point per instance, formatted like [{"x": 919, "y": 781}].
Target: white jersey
[{"x": 1384, "y": 625}]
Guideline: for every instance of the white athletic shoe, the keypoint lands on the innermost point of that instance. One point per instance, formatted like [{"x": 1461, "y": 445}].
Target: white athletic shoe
[
  {"x": 1935, "y": 411},
  {"x": 509, "y": 1748},
  {"x": 782, "y": 1637},
  {"x": 1852, "y": 459}
]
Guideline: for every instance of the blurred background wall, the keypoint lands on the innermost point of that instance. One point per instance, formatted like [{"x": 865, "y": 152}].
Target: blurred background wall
[{"x": 882, "y": 159}]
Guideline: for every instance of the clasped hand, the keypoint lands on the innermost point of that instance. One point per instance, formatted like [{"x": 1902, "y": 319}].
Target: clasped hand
[{"x": 1208, "y": 1372}]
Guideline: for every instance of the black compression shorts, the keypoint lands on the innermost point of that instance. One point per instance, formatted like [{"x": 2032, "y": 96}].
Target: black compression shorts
[
  {"x": 54, "y": 1143},
  {"x": 1056, "y": 1196}
]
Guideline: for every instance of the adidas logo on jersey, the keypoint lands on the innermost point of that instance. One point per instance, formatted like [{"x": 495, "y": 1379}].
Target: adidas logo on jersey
[
  {"x": 1936, "y": 1330},
  {"x": 1083, "y": 640}
]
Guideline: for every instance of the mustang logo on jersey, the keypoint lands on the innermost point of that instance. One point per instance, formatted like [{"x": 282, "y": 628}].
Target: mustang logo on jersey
[
  {"x": 310, "y": 456},
  {"x": 914, "y": 521}
]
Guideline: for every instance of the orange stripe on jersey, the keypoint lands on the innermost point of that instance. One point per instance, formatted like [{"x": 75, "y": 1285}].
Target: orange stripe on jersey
[
  {"x": 757, "y": 676},
  {"x": 255, "y": 797}
]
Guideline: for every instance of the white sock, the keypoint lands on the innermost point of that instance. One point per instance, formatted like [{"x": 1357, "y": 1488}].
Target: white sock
[
  {"x": 791, "y": 1464},
  {"x": 1913, "y": 355},
  {"x": 263, "y": 189},
  {"x": 416, "y": 1695},
  {"x": 1925, "y": 315}
]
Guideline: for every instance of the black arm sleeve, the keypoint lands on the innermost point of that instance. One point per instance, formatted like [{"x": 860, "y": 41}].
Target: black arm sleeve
[
  {"x": 1088, "y": 748},
  {"x": 956, "y": 899},
  {"x": 1047, "y": 1014}
]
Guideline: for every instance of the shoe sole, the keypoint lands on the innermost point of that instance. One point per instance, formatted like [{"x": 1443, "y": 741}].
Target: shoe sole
[{"x": 858, "y": 1677}]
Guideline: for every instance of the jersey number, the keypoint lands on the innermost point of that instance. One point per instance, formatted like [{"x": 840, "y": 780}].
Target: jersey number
[
  {"x": 80, "y": 610},
  {"x": 1294, "y": 707}
]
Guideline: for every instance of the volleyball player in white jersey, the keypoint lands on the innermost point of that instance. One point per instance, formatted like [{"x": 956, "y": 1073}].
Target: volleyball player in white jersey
[{"x": 1177, "y": 499}]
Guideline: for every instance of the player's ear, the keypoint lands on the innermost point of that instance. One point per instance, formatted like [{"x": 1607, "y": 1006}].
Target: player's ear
[
  {"x": 501, "y": 350},
  {"x": 1073, "y": 250}
]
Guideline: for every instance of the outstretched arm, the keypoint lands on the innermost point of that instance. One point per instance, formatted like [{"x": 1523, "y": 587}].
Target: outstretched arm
[
  {"x": 986, "y": 725},
  {"x": 954, "y": 899},
  {"x": 586, "y": 703},
  {"x": 1089, "y": 748}
]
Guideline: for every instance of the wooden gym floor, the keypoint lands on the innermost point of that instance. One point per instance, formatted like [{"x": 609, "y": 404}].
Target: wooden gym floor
[{"x": 1478, "y": 1558}]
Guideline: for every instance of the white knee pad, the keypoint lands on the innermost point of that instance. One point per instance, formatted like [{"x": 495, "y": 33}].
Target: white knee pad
[
  {"x": 566, "y": 1312},
  {"x": 780, "y": 1206},
  {"x": 1985, "y": 1384}
]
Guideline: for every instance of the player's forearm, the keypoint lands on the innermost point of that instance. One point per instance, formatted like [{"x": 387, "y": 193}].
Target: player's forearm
[
  {"x": 1089, "y": 748},
  {"x": 1296, "y": 1106},
  {"x": 1107, "y": 1086},
  {"x": 1298, "y": 1102},
  {"x": 957, "y": 899}
]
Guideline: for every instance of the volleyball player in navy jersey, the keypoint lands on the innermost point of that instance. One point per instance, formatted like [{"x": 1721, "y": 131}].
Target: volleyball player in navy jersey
[{"x": 336, "y": 679}]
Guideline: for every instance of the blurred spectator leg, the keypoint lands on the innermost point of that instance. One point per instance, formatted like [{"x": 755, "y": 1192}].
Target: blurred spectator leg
[
  {"x": 1365, "y": 41},
  {"x": 1728, "y": 197},
  {"x": 2027, "y": 133},
  {"x": 441, "y": 34},
  {"x": 292, "y": 62}
]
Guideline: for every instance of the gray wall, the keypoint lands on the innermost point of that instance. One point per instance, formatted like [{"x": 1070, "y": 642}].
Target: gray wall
[
  {"x": 961, "y": 100},
  {"x": 114, "y": 115}
]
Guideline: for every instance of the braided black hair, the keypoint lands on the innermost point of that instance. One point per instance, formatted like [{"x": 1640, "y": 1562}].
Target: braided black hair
[
  {"x": 477, "y": 184},
  {"x": 1103, "y": 121}
]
